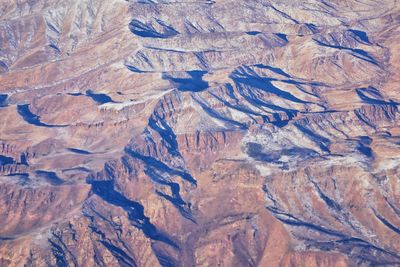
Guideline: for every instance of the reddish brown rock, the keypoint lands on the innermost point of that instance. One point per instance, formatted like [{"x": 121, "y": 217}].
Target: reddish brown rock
[{"x": 203, "y": 133}]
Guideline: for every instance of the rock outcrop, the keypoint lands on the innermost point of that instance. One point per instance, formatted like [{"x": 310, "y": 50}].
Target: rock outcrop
[{"x": 199, "y": 133}]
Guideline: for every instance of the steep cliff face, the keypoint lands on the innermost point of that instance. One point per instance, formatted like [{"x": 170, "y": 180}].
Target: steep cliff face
[{"x": 199, "y": 133}]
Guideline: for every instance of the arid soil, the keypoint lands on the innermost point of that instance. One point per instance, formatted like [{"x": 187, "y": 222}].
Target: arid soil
[{"x": 199, "y": 133}]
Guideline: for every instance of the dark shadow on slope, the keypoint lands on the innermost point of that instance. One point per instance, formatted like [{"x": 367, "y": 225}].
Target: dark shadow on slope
[
  {"x": 121, "y": 256},
  {"x": 99, "y": 98},
  {"x": 155, "y": 163},
  {"x": 393, "y": 207},
  {"x": 323, "y": 142},
  {"x": 75, "y": 94},
  {"x": 175, "y": 199},
  {"x": 283, "y": 14},
  {"x": 168, "y": 137},
  {"x": 371, "y": 95},
  {"x": 149, "y": 31},
  {"x": 3, "y": 100},
  {"x": 361, "y": 35},
  {"x": 50, "y": 177},
  {"x": 312, "y": 27},
  {"x": 366, "y": 252},
  {"x": 60, "y": 249},
  {"x": 230, "y": 92},
  {"x": 327, "y": 4},
  {"x": 263, "y": 84},
  {"x": 164, "y": 259},
  {"x": 363, "y": 146},
  {"x": 253, "y": 32},
  {"x": 3, "y": 67},
  {"x": 328, "y": 201},
  {"x": 79, "y": 151},
  {"x": 134, "y": 69},
  {"x": 55, "y": 47},
  {"x": 291, "y": 220},
  {"x": 374, "y": 255},
  {"x": 280, "y": 123},
  {"x": 181, "y": 207},
  {"x": 135, "y": 211},
  {"x": 29, "y": 117},
  {"x": 24, "y": 159},
  {"x": 78, "y": 169},
  {"x": 365, "y": 150},
  {"x": 388, "y": 224},
  {"x": 255, "y": 151},
  {"x": 254, "y": 100},
  {"x": 6, "y": 160},
  {"x": 358, "y": 53},
  {"x": 239, "y": 107},
  {"x": 282, "y": 36},
  {"x": 59, "y": 254},
  {"x": 363, "y": 118},
  {"x": 343, "y": 238},
  {"x": 213, "y": 113},
  {"x": 6, "y": 238},
  {"x": 193, "y": 83},
  {"x": 160, "y": 179},
  {"x": 273, "y": 69}
]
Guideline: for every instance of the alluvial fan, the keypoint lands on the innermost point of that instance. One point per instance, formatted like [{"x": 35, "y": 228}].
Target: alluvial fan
[{"x": 199, "y": 133}]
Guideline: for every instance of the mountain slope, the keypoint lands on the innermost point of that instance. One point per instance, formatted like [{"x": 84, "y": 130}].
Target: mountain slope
[{"x": 199, "y": 133}]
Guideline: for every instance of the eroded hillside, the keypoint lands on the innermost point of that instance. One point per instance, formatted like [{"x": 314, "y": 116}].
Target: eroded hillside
[{"x": 199, "y": 133}]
